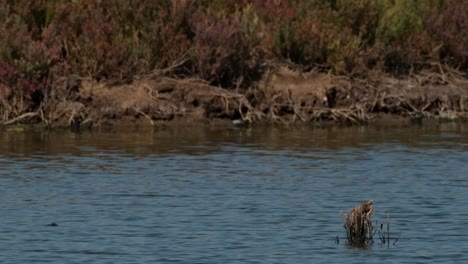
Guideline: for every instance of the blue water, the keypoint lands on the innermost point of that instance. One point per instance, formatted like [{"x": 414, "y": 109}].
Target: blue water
[{"x": 232, "y": 196}]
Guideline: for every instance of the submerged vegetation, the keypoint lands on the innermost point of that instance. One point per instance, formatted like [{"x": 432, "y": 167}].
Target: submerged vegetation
[{"x": 50, "y": 44}]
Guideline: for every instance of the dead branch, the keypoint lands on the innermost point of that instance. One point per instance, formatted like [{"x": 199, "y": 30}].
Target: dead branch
[
  {"x": 144, "y": 115},
  {"x": 21, "y": 117}
]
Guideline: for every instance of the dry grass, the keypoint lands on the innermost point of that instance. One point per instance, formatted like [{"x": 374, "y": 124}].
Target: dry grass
[{"x": 358, "y": 225}]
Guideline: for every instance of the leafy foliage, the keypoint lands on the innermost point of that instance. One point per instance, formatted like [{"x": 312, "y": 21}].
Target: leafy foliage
[
  {"x": 222, "y": 41},
  {"x": 449, "y": 27}
]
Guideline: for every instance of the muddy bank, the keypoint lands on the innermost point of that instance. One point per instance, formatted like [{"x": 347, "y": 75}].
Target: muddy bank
[{"x": 283, "y": 96}]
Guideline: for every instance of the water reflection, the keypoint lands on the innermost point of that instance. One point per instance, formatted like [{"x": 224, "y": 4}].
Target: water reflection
[{"x": 200, "y": 140}]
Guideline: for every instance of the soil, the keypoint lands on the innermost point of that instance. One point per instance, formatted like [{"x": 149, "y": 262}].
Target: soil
[{"x": 282, "y": 96}]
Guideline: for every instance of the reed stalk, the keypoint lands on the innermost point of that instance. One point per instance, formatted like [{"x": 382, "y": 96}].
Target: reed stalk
[{"x": 358, "y": 225}]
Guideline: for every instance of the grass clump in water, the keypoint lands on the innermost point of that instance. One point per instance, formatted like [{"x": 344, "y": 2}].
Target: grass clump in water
[{"x": 358, "y": 225}]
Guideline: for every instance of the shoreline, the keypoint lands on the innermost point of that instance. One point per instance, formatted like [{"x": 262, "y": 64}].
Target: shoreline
[
  {"x": 82, "y": 65},
  {"x": 282, "y": 96}
]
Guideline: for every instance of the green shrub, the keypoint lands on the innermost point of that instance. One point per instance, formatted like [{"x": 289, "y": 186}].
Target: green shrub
[
  {"x": 223, "y": 41},
  {"x": 223, "y": 44},
  {"x": 447, "y": 23}
]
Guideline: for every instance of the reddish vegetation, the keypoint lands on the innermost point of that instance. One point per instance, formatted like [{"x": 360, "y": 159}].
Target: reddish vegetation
[{"x": 50, "y": 50}]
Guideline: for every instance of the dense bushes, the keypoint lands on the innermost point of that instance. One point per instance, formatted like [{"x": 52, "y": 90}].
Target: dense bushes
[
  {"x": 223, "y": 42},
  {"x": 448, "y": 25}
]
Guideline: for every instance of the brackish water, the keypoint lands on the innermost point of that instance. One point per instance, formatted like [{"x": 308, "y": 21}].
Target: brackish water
[{"x": 223, "y": 195}]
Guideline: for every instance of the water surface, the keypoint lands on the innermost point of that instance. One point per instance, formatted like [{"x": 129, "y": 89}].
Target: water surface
[{"x": 223, "y": 195}]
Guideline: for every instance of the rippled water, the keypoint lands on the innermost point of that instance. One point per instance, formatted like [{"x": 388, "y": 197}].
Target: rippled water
[{"x": 205, "y": 195}]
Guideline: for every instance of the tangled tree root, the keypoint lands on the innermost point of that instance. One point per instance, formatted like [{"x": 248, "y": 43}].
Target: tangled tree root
[
  {"x": 352, "y": 115},
  {"x": 288, "y": 98},
  {"x": 28, "y": 117}
]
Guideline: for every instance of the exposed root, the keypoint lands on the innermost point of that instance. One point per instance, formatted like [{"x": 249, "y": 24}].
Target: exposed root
[
  {"x": 21, "y": 118},
  {"x": 354, "y": 115},
  {"x": 78, "y": 119},
  {"x": 145, "y": 115},
  {"x": 283, "y": 97}
]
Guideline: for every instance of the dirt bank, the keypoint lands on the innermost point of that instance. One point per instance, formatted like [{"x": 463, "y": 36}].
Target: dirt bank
[{"x": 282, "y": 96}]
